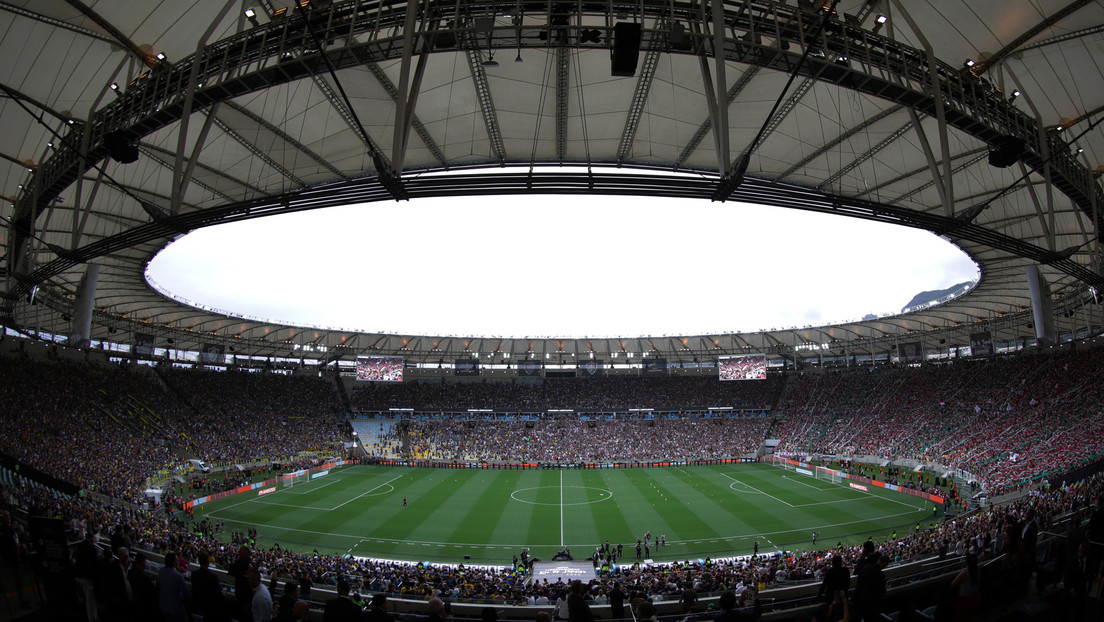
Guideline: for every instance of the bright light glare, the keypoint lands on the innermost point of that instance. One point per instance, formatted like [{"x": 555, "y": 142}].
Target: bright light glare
[{"x": 563, "y": 266}]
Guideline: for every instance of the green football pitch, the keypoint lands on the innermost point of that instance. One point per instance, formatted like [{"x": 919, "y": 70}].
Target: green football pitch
[{"x": 492, "y": 514}]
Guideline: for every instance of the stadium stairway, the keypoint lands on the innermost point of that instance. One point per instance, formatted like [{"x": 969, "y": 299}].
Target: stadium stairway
[
  {"x": 133, "y": 413},
  {"x": 343, "y": 393}
]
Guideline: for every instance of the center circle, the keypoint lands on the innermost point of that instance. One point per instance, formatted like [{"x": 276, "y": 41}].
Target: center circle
[
  {"x": 742, "y": 487},
  {"x": 561, "y": 495}
]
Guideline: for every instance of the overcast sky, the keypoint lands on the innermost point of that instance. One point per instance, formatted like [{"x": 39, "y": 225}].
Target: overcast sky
[{"x": 562, "y": 266}]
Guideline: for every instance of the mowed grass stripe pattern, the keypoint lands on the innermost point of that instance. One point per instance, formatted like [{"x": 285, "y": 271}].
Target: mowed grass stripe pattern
[{"x": 491, "y": 514}]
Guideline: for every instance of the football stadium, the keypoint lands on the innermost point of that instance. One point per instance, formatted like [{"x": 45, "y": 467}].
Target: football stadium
[{"x": 559, "y": 311}]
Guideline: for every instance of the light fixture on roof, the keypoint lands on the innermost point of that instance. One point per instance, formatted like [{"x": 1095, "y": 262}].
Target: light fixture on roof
[
  {"x": 251, "y": 15},
  {"x": 490, "y": 62},
  {"x": 969, "y": 62},
  {"x": 113, "y": 86},
  {"x": 879, "y": 22},
  {"x": 1015, "y": 94},
  {"x": 160, "y": 56}
]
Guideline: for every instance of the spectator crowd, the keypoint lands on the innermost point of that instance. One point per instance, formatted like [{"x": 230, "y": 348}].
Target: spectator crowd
[
  {"x": 1009, "y": 531},
  {"x": 1009, "y": 421}
]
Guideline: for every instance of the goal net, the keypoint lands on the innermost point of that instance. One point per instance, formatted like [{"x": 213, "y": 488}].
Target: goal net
[
  {"x": 292, "y": 479},
  {"x": 817, "y": 472},
  {"x": 781, "y": 463},
  {"x": 831, "y": 475}
]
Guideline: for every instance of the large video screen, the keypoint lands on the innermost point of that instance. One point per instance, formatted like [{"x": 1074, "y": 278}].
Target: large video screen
[
  {"x": 379, "y": 368},
  {"x": 744, "y": 367}
]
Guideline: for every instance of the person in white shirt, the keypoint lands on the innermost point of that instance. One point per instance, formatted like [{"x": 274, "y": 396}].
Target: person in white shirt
[{"x": 261, "y": 607}]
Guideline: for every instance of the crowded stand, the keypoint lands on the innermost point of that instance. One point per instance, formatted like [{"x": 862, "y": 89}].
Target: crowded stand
[
  {"x": 574, "y": 441},
  {"x": 611, "y": 393},
  {"x": 108, "y": 429},
  {"x": 1009, "y": 421},
  {"x": 70, "y": 421},
  {"x": 1009, "y": 531},
  {"x": 250, "y": 415}
]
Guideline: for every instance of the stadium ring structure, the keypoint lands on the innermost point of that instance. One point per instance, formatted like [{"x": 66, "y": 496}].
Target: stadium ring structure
[{"x": 239, "y": 110}]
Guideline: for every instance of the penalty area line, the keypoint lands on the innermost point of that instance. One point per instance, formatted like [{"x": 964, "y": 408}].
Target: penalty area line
[{"x": 366, "y": 492}]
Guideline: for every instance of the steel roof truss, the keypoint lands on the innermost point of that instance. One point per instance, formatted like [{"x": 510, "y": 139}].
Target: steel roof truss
[
  {"x": 940, "y": 183},
  {"x": 840, "y": 139},
  {"x": 720, "y": 122},
  {"x": 179, "y": 175},
  {"x": 152, "y": 152},
  {"x": 284, "y": 136},
  {"x": 83, "y": 213},
  {"x": 946, "y": 181},
  {"x": 869, "y": 153},
  {"x": 1048, "y": 232},
  {"x": 249, "y": 146},
  {"x": 407, "y": 93},
  {"x": 563, "y": 74},
  {"x": 415, "y": 122},
  {"x": 640, "y": 98},
  {"x": 486, "y": 105}
]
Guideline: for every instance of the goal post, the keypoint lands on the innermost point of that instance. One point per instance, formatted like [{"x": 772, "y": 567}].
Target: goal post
[
  {"x": 290, "y": 480},
  {"x": 781, "y": 463},
  {"x": 831, "y": 475}
]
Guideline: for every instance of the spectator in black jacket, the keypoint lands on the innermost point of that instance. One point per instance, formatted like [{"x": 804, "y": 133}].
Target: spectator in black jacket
[
  {"x": 243, "y": 591},
  {"x": 86, "y": 566},
  {"x": 577, "y": 608},
  {"x": 378, "y": 612},
  {"x": 733, "y": 609},
  {"x": 837, "y": 579},
  {"x": 870, "y": 588},
  {"x": 144, "y": 589},
  {"x": 342, "y": 609},
  {"x": 206, "y": 592},
  {"x": 286, "y": 603}
]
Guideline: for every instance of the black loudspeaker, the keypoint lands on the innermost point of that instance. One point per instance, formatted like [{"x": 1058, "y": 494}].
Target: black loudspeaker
[
  {"x": 626, "y": 49},
  {"x": 679, "y": 39},
  {"x": 120, "y": 148},
  {"x": 1006, "y": 151},
  {"x": 444, "y": 40}
]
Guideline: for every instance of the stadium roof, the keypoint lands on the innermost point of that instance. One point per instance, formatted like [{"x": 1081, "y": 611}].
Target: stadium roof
[{"x": 235, "y": 116}]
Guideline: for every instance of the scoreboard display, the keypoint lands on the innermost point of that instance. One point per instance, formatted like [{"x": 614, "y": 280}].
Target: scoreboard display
[
  {"x": 743, "y": 367},
  {"x": 379, "y": 368}
]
